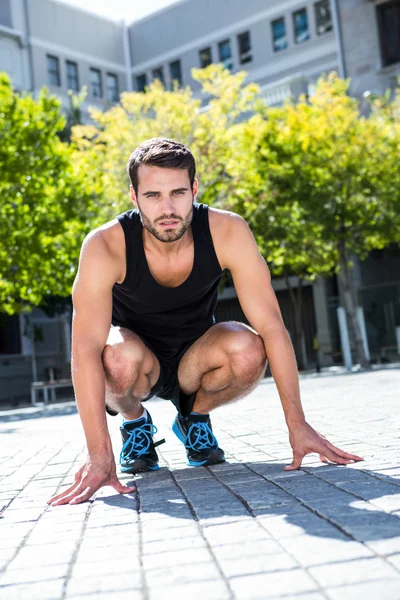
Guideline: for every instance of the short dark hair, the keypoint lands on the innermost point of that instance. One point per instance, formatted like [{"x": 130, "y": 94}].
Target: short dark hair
[{"x": 161, "y": 152}]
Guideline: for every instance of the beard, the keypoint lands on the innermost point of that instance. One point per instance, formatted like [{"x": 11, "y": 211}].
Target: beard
[{"x": 167, "y": 235}]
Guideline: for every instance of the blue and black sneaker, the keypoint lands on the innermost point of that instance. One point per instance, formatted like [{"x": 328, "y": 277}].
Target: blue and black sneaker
[
  {"x": 138, "y": 451},
  {"x": 195, "y": 431}
]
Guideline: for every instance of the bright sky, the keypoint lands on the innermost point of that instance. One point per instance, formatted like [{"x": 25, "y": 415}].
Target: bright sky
[{"x": 130, "y": 10}]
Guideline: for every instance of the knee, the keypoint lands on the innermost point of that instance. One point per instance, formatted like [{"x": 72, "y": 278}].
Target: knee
[
  {"x": 121, "y": 367},
  {"x": 248, "y": 357}
]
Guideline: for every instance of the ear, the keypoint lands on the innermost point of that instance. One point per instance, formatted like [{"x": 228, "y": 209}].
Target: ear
[
  {"x": 195, "y": 188},
  {"x": 133, "y": 196}
]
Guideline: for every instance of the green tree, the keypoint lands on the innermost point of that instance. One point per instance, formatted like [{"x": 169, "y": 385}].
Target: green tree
[
  {"x": 103, "y": 148},
  {"x": 326, "y": 187},
  {"x": 44, "y": 209}
]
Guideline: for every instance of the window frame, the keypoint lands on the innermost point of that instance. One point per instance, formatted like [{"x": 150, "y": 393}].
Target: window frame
[
  {"x": 154, "y": 76},
  {"x": 248, "y": 52},
  {"x": 283, "y": 20},
  {"x": 384, "y": 52},
  {"x": 139, "y": 88},
  {"x": 57, "y": 72},
  {"x": 114, "y": 77},
  {"x": 316, "y": 6},
  {"x": 297, "y": 12},
  {"x": 100, "y": 82},
  {"x": 228, "y": 43},
  {"x": 178, "y": 79},
  {"x": 208, "y": 48},
  {"x": 69, "y": 63}
]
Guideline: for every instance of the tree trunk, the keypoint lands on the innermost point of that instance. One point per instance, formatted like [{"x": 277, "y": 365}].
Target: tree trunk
[
  {"x": 297, "y": 304},
  {"x": 349, "y": 307}
]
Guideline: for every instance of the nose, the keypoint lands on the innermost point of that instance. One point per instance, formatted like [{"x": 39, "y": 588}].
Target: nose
[{"x": 168, "y": 205}]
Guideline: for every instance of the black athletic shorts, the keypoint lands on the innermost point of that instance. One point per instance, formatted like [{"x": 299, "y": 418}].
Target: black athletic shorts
[{"x": 167, "y": 386}]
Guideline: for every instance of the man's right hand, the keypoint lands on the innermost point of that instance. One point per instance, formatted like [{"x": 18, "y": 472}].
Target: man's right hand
[{"x": 95, "y": 473}]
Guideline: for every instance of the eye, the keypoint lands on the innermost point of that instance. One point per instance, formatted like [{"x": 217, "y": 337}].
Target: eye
[{"x": 179, "y": 192}]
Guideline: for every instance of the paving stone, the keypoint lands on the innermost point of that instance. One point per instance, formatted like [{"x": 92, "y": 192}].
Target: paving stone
[
  {"x": 311, "y": 550},
  {"x": 43, "y": 590},
  {"x": 212, "y": 590},
  {"x": 244, "y": 529},
  {"x": 247, "y": 565},
  {"x": 385, "y": 547},
  {"x": 270, "y": 585},
  {"x": 177, "y": 557},
  {"x": 103, "y": 584},
  {"x": 180, "y": 575},
  {"x": 354, "y": 571},
  {"x": 371, "y": 590}
]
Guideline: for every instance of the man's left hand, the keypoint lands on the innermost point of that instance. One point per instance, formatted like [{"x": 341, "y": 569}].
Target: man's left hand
[{"x": 305, "y": 440}]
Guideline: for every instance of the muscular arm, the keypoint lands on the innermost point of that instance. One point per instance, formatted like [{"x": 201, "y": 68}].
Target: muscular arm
[
  {"x": 92, "y": 303},
  {"x": 257, "y": 298},
  {"x": 92, "y": 300}
]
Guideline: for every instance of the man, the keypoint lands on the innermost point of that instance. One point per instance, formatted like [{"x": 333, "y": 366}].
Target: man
[{"x": 152, "y": 274}]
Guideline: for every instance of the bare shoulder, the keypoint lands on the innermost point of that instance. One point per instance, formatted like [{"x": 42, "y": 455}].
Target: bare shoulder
[
  {"x": 110, "y": 235},
  {"x": 227, "y": 227},
  {"x": 105, "y": 247}
]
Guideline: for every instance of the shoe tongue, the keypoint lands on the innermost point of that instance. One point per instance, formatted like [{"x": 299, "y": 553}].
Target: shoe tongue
[
  {"x": 129, "y": 425},
  {"x": 198, "y": 418}
]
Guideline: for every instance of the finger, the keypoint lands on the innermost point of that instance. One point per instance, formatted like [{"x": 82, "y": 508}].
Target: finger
[
  {"x": 119, "y": 487},
  {"x": 344, "y": 454},
  {"x": 335, "y": 458},
  {"x": 78, "y": 474},
  {"x": 67, "y": 497},
  {"x": 323, "y": 458},
  {"x": 296, "y": 463},
  {"x": 85, "y": 495},
  {"x": 62, "y": 494}
]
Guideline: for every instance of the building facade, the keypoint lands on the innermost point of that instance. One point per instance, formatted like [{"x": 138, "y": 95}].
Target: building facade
[{"x": 284, "y": 46}]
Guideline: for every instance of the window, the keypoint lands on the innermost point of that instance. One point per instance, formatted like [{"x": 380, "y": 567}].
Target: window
[
  {"x": 205, "y": 57},
  {"x": 9, "y": 334},
  {"x": 159, "y": 74},
  {"x": 141, "y": 82},
  {"x": 53, "y": 70},
  {"x": 300, "y": 23},
  {"x": 72, "y": 76},
  {"x": 389, "y": 30},
  {"x": 5, "y": 13},
  {"x": 175, "y": 72},
  {"x": 95, "y": 82},
  {"x": 244, "y": 47},
  {"x": 323, "y": 17},
  {"x": 112, "y": 88},
  {"x": 279, "y": 35},
  {"x": 225, "y": 54}
]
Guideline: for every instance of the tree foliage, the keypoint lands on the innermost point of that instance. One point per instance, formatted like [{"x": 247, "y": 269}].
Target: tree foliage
[
  {"x": 43, "y": 208},
  {"x": 327, "y": 185},
  {"x": 103, "y": 148}
]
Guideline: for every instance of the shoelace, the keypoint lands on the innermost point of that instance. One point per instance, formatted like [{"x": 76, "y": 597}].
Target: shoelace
[
  {"x": 200, "y": 437},
  {"x": 139, "y": 441}
]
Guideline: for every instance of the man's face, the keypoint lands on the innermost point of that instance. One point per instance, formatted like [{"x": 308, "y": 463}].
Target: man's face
[{"x": 165, "y": 201}]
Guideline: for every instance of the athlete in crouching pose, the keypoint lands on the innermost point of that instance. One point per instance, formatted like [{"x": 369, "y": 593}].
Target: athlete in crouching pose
[{"x": 143, "y": 325}]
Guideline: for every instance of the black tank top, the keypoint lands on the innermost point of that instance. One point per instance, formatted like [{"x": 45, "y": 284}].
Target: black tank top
[{"x": 167, "y": 317}]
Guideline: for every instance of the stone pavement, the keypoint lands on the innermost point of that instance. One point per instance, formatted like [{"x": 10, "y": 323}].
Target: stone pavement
[{"x": 241, "y": 530}]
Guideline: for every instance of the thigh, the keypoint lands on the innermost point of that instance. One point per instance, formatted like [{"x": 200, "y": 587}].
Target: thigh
[
  {"x": 212, "y": 350},
  {"x": 125, "y": 347}
]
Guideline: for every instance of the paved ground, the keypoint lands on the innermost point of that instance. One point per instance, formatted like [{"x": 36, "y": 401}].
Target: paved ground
[{"x": 242, "y": 530}]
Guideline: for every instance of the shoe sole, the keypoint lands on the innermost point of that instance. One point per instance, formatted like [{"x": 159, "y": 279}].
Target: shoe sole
[
  {"x": 192, "y": 463},
  {"x": 140, "y": 468}
]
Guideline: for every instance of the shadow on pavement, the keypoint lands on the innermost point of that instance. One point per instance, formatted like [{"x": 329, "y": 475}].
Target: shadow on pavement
[
  {"x": 305, "y": 499},
  {"x": 52, "y": 410}
]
